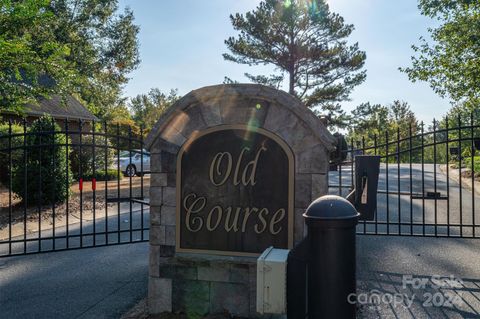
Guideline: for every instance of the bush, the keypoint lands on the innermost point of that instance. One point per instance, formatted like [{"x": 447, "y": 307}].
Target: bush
[
  {"x": 46, "y": 168},
  {"x": 17, "y": 154},
  {"x": 84, "y": 159},
  {"x": 124, "y": 127},
  {"x": 476, "y": 163},
  {"x": 109, "y": 175}
]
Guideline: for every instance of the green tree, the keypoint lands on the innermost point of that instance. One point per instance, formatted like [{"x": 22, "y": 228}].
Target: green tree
[
  {"x": 451, "y": 65},
  {"x": 104, "y": 47},
  {"x": 367, "y": 121},
  {"x": 458, "y": 119},
  {"x": 306, "y": 44},
  {"x": 371, "y": 125},
  {"x": 402, "y": 118},
  {"x": 80, "y": 47},
  {"x": 147, "y": 108},
  {"x": 119, "y": 112},
  {"x": 33, "y": 62}
]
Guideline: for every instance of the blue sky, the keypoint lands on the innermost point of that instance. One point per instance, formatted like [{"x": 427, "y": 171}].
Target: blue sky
[{"x": 181, "y": 46}]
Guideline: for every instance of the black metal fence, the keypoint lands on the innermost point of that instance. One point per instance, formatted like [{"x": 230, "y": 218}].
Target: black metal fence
[
  {"x": 429, "y": 180},
  {"x": 81, "y": 184},
  {"x": 71, "y": 184}
]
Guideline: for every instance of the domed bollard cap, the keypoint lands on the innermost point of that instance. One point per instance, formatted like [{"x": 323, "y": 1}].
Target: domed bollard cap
[{"x": 331, "y": 211}]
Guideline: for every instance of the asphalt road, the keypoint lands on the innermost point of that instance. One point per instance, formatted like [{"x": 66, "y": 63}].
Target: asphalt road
[
  {"x": 86, "y": 283},
  {"x": 104, "y": 282},
  {"x": 440, "y": 275},
  {"x": 117, "y": 224},
  {"x": 457, "y": 205}
]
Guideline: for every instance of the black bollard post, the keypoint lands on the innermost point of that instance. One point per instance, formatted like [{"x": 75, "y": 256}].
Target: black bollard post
[{"x": 331, "y": 222}]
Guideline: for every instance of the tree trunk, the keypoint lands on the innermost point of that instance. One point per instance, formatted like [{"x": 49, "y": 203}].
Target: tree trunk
[{"x": 291, "y": 88}]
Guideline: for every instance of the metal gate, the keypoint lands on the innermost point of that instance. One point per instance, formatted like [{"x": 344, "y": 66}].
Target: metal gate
[
  {"x": 429, "y": 182},
  {"x": 71, "y": 184}
]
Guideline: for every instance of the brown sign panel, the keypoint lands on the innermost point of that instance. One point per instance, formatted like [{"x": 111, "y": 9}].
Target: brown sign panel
[{"x": 234, "y": 192}]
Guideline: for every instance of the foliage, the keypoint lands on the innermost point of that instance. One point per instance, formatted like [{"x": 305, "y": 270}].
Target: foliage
[
  {"x": 476, "y": 163},
  {"x": 80, "y": 47},
  {"x": 119, "y": 112},
  {"x": 83, "y": 160},
  {"x": 147, "y": 108},
  {"x": 124, "y": 134},
  {"x": 451, "y": 65},
  {"x": 46, "y": 177},
  {"x": 104, "y": 47},
  {"x": 306, "y": 43},
  {"x": 33, "y": 61},
  {"x": 102, "y": 175},
  {"x": 370, "y": 121},
  {"x": 10, "y": 146},
  {"x": 374, "y": 125},
  {"x": 458, "y": 120}
]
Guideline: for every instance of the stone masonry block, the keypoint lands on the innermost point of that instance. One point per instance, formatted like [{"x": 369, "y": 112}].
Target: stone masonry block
[
  {"x": 167, "y": 270},
  {"x": 159, "y": 295},
  {"x": 191, "y": 297},
  {"x": 169, "y": 196},
  {"x": 214, "y": 273},
  {"x": 157, "y": 235},
  {"x": 156, "y": 196},
  {"x": 168, "y": 215},
  {"x": 167, "y": 251},
  {"x": 155, "y": 216},
  {"x": 299, "y": 224},
  {"x": 184, "y": 272},
  {"x": 319, "y": 185},
  {"x": 303, "y": 190},
  {"x": 211, "y": 113},
  {"x": 172, "y": 135},
  {"x": 158, "y": 179},
  {"x": 155, "y": 163},
  {"x": 239, "y": 273},
  {"x": 154, "y": 261},
  {"x": 313, "y": 160},
  {"x": 171, "y": 179},
  {"x": 170, "y": 235},
  {"x": 195, "y": 121},
  {"x": 231, "y": 298},
  {"x": 161, "y": 145},
  {"x": 169, "y": 162},
  {"x": 238, "y": 110}
]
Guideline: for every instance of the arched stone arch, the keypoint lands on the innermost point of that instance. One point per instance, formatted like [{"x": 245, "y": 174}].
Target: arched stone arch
[{"x": 249, "y": 105}]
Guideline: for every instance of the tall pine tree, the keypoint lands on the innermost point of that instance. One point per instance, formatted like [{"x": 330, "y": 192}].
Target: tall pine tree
[{"x": 306, "y": 43}]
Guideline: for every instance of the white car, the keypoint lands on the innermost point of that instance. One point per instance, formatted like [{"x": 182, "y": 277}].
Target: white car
[{"x": 131, "y": 166}]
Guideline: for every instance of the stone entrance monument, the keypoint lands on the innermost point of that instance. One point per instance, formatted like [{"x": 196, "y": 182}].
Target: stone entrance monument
[{"x": 233, "y": 169}]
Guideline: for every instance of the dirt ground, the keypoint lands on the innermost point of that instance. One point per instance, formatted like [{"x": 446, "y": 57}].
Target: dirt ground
[
  {"x": 140, "y": 311},
  {"x": 114, "y": 190}
]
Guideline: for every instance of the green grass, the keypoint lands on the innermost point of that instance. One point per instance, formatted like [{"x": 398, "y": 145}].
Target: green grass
[{"x": 476, "y": 163}]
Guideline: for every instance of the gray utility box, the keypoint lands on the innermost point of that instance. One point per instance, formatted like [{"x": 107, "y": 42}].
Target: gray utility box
[{"x": 272, "y": 281}]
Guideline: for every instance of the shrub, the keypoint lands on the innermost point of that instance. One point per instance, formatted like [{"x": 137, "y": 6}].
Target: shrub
[
  {"x": 83, "y": 159},
  {"x": 124, "y": 127},
  {"x": 46, "y": 165},
  {"x": 109, "y": 175},
  {"x": 5, "y": 151},
  {"x": 476, "y": 163}
]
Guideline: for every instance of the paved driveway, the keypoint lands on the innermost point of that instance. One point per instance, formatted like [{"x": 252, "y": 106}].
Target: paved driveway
[
  {"x": 88, "y": 283},
  {"x": 457, "y": 206}
]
